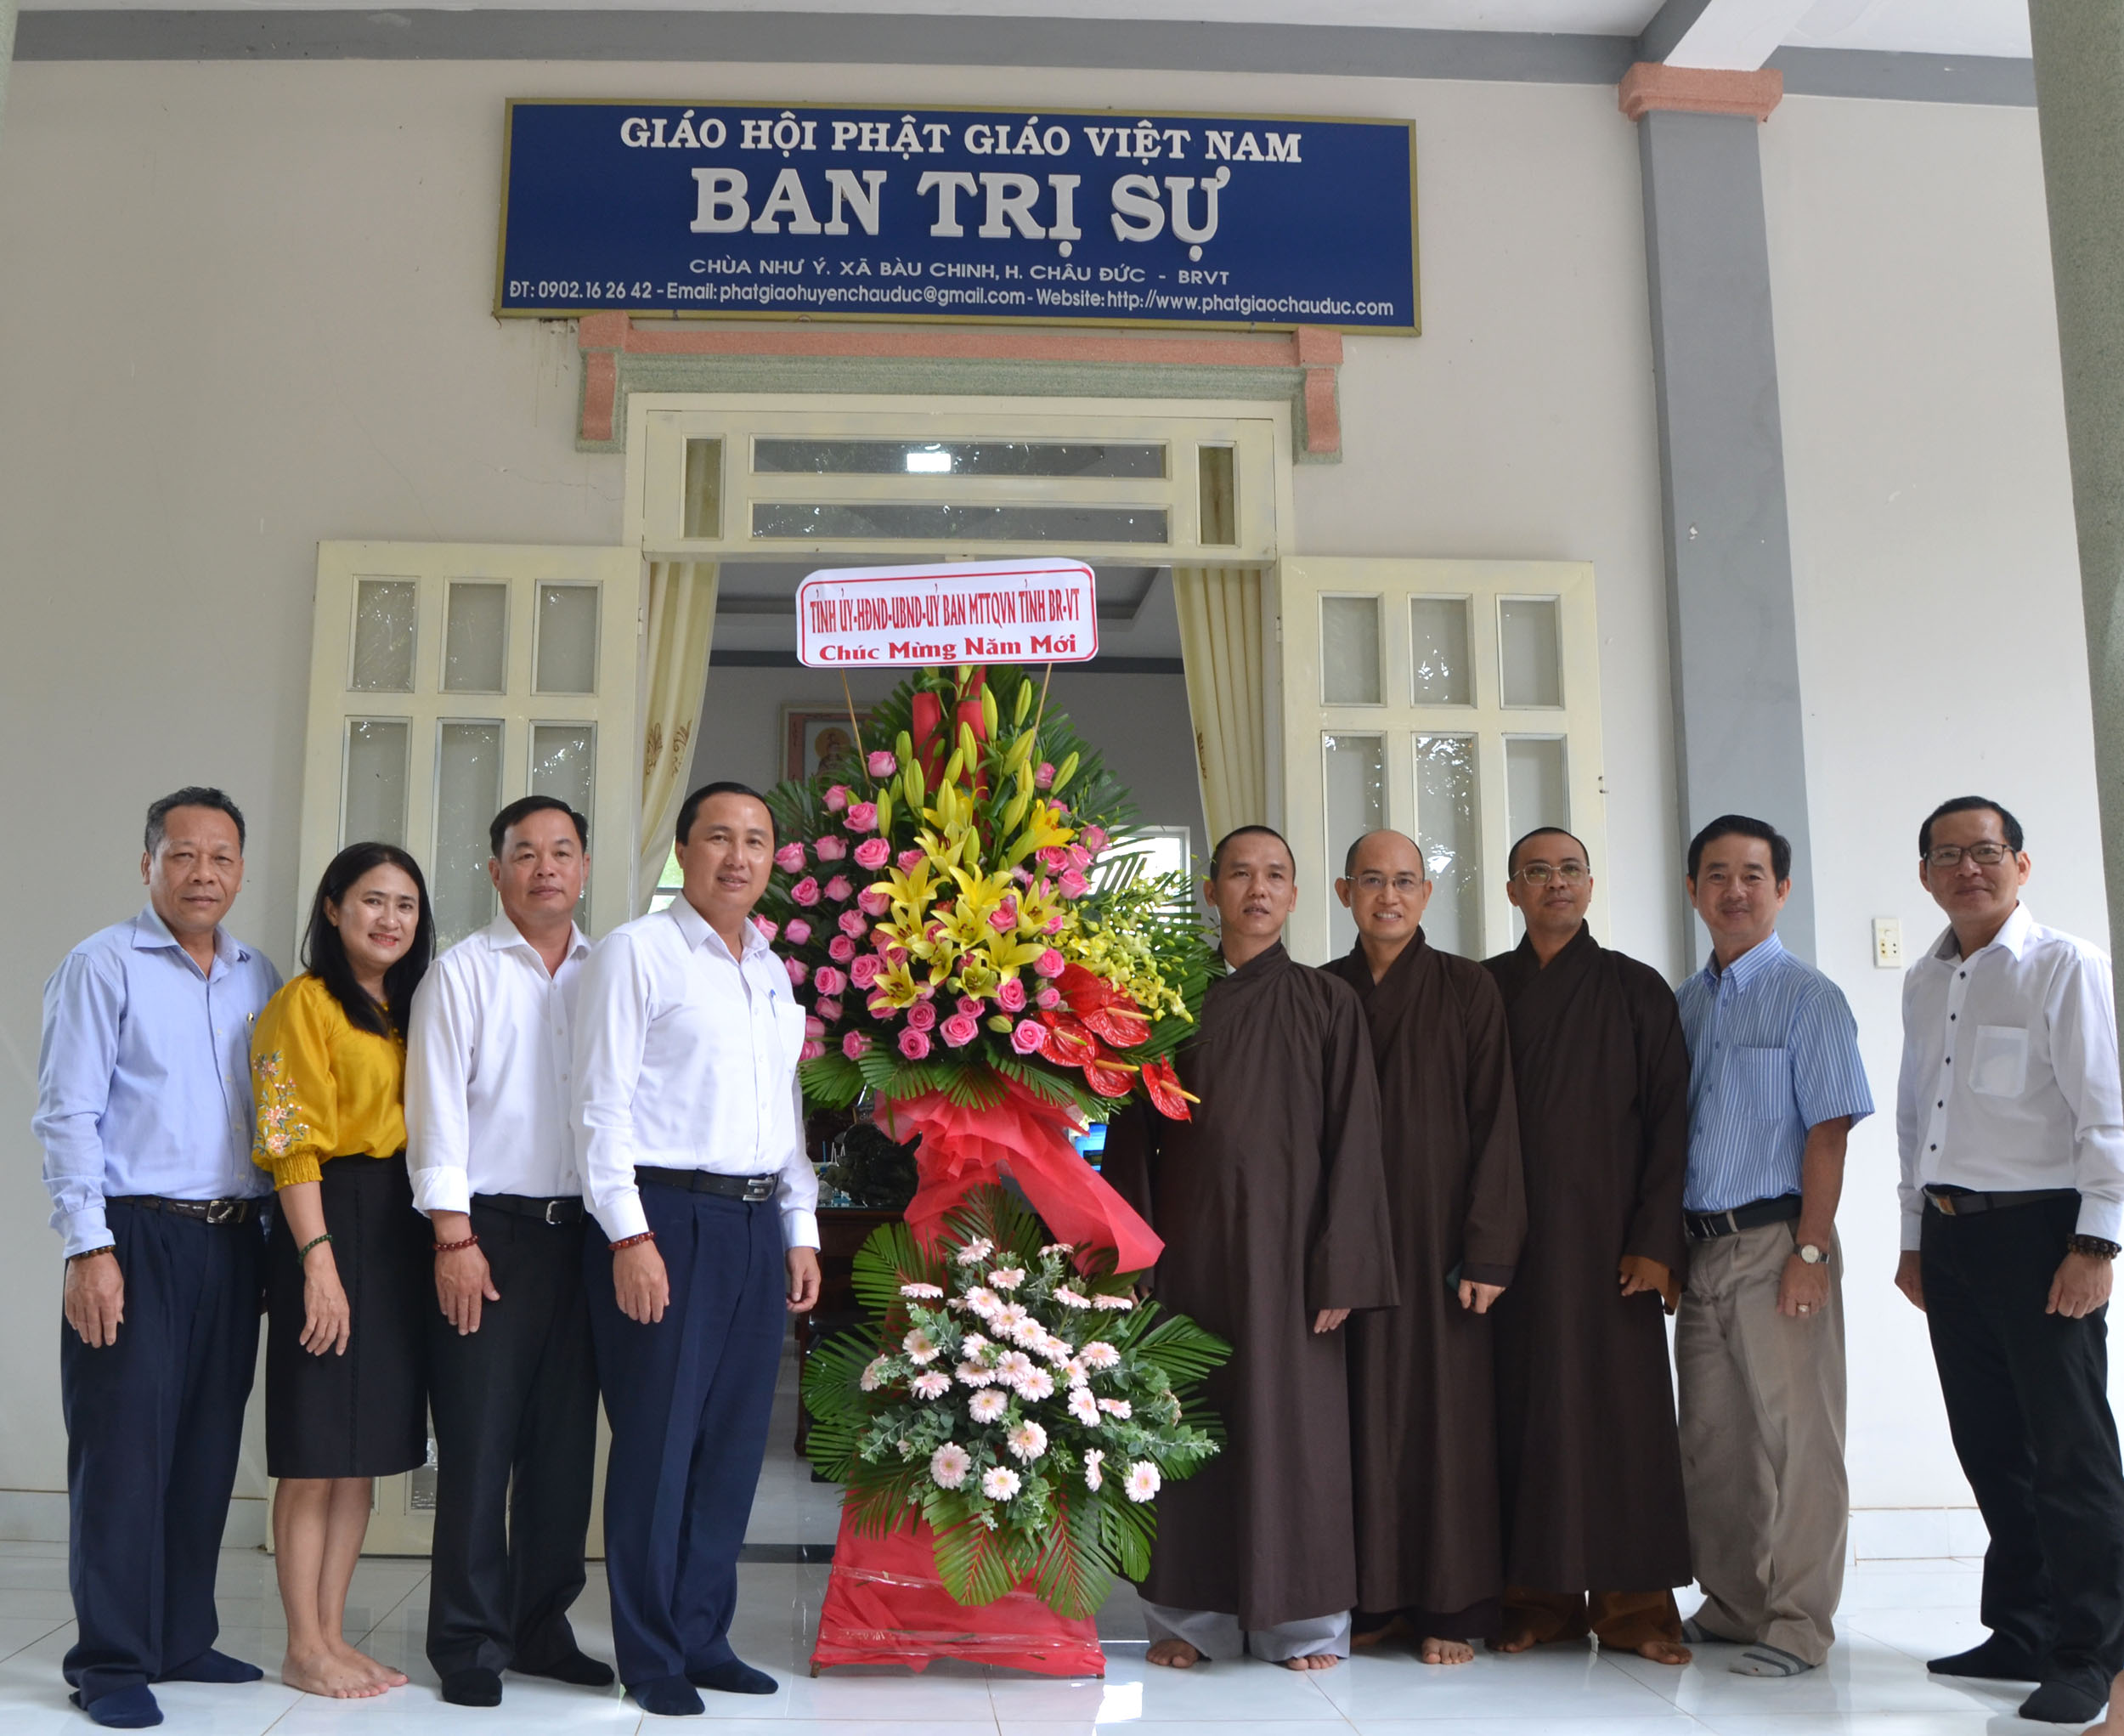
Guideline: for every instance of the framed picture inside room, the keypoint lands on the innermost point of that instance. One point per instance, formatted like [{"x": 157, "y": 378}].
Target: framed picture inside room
[{"x": 810, "y": 737}]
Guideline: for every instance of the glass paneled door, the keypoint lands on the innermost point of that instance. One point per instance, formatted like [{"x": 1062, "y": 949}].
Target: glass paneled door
[
  {"x": 1457, "y": 701},
  {"x": 447, "y": 680}
]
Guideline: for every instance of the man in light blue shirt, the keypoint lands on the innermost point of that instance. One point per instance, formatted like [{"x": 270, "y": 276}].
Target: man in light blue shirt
[
  {"x": 1775, "y": 1084},
  {"x": 143, "y": 1111}
]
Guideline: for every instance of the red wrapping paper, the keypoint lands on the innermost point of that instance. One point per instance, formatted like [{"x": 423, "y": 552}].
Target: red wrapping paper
[{"x": 884, "y": 1604}]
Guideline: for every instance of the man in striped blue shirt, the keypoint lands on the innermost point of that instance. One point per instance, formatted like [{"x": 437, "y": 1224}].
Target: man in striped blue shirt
[{"x": 1775, "y": 1084}]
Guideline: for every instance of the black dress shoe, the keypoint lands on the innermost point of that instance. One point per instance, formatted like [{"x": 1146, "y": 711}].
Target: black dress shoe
[
  {"x": 1992, "y": 1661},
  {"x": 733, "y": 1675},
  {"x": 472, "y": 1687},
  {"x": 577, "y": 1668},
  {"x": 2064, "y": 1703}
]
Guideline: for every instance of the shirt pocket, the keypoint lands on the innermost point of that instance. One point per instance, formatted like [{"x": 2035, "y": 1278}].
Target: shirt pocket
[
  {"x": 788, "y": 1024},
  {"x": 1761, "y": 1083},
  {"x": 1999, "y": 1067}
]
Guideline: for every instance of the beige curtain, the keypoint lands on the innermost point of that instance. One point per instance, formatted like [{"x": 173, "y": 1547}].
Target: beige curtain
[
  {"x": 1220, "y": 648},
  {"x": 681, "y": 627}
]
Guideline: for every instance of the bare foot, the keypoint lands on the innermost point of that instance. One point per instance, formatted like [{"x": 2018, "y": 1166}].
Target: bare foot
[
  {"x": 324, "y": 1672},
  {"x": 382, "y": 1675},
  {"x": 1522, "y": 1641},
  {"x": 1174, "y": 1654},
  {"x": 1443, "y": 1651},
  {"x": 1665, "y": 1652},
  {"x": 1396, "y": 1628},
  {"x": 1318, "y": 1660}
]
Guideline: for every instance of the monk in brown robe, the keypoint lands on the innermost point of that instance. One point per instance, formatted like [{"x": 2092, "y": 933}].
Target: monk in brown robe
[
  {"x": 1590, "y": 1462},
  {"x": 1429, "y": 1557},
  {"x": 1273, "y": 1208}
]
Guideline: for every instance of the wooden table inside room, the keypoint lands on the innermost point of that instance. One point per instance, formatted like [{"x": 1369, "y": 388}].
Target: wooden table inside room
[{"x": 843, "y": 1230}]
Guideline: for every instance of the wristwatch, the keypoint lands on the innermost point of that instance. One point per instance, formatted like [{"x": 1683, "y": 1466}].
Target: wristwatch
[
  {"x": 1812, "y": 1255},
  {"x": 2096, "y": 1246}
]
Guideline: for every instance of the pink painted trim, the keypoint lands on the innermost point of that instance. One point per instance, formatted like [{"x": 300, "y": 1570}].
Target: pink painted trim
[
  {"x": 1698, "y": 90},
  {"x": 1323, "y": 415},
  {"x": 601, "y": 393}
]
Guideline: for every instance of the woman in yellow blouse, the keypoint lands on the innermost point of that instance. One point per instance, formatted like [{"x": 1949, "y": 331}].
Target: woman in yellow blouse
[{"x": 348, "y": 1265}]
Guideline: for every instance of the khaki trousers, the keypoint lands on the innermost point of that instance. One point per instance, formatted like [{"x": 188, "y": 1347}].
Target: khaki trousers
[{"x": 1762, "y": 1443}]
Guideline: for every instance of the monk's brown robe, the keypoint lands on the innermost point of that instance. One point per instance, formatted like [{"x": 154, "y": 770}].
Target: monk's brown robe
[
  {"x": 1591, "y": 1464},
  {"x": 1421, "y": 1378},
  {"x": 1272, "y": 1206}
]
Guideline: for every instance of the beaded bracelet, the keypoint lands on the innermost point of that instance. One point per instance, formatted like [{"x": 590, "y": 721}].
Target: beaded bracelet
[
  {"x": 303, "y": 1253},
  {"x": 451, "y": 1247},
  {"x": 631, "y": 1240}
]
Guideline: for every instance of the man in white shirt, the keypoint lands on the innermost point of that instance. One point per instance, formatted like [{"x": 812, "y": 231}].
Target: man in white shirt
[
  {"x": 690, "y": 1123},
  {"x": 513, "y": 1385},
  {"x": 2012, "y": 1133}
]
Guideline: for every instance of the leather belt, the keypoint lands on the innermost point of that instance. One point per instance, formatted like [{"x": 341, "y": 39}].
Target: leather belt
[
  {"x": 564, "y": 1210},
  {"x": 1704, "y": 1226},
  {"x": 207, "y": 1211},
  {"x": 1968, "y": 1205},
  {"x": 753, "y": 1189}
]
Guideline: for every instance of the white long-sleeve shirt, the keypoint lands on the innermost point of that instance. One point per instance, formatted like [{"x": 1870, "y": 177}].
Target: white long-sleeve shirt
[
  {"x": 685, "y": 1058},
  {"x": 488, "y": 1053},
  {"x": 2010, "y": 1076}
]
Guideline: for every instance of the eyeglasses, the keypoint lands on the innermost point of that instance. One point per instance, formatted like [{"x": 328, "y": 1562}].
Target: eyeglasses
[
  {"x": 1540, "y": 873},
  {"x": 1987, "y": 854},
  {"x": 1374, "y": 883}
]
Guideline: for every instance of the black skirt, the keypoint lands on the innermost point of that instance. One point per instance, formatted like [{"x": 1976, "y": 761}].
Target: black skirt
[{"x": 364, "y": 1413}]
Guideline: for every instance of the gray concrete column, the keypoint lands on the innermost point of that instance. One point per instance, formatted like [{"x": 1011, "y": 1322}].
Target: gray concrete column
[
  {"x": 1732, "y": 644},
  {"x": 7, "y": 51},
  {"x": 2080, "y": 107}
]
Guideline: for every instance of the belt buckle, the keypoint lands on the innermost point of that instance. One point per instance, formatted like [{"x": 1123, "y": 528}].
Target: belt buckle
[
  {"x": 759, "y": 1190},
  {"x": 552, "y": 1206},
  {"x": 223, "y": 1211}
]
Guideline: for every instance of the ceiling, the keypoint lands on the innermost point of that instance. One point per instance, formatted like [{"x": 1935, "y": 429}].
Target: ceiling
[{"x": 1997, "y": 27}]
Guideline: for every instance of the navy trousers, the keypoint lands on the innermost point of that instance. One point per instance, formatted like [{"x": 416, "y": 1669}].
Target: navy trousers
[
  {"x": 153, "y": 1423},
  {"x": 688, "y": 1399}
]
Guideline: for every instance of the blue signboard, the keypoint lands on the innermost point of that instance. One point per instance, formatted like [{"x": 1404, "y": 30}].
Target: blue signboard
[{"x": 960, "y": 214}]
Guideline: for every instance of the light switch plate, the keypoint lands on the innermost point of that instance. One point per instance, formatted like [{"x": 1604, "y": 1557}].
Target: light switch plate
[{"x": 1887, "y": 942}]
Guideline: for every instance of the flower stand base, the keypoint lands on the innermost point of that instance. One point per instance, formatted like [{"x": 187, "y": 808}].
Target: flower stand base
[{"x": 884, "y": 1604}]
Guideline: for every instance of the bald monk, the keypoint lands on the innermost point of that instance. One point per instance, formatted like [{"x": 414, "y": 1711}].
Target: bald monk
[
  {"x": 1596, "y": 1530},
  {"x": 1272, "y": 1209},
  {"x": 1429, "y": 1554}
]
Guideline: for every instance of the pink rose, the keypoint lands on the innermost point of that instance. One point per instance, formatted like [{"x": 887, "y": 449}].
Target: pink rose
[
  {"x": 1049, "y": 963},
  {"x": 854, "y": 1043},
  {"x": 836, "y": 799},
  {"x": 1093, "y": 838},
  {"x": 1072, "y": 885},
  {"x": 1053, "y": 925},
  {"x": 1010, "y": 995},
  {"x": 873, "y": 901},
  {"x": 766, "y": 929},
  {"x": 863, "y": 971},
  {"x": 790, "y": 856},
  {"x": 1048, "y": 998},
  {"x": 1028, "y": 1036},
  {"x": 880, "y": 1008},
  {"x": 829, "y": 1010},
  {"x": 921, "y": 1016},
  {"x": 798, "y": 931},
  {"x": 798, "y": 970},
  {"x": 961, "y": 1029},
  {"x": 1054, "y": 856},
  {"x": 1080, "y": 857},
  {"x": 810, "y": 1051},
  {"x": 831, "y": 849},
  {"x": 814, "y": 1027},
  {"x": 908, "y": 861},
  {"x": 828, "y": 980},
  {"x": 1004, "y": 917},
  {"x": 863, "y": 816},
  {"x": 1045, "y": 777},
  {"x": 838, "y": 888},
  {"x": 914, "y": 1044},
  {"x": 854, "y": 924},
  {"x": 895, "y": 955},
  {"x": 872, "y": 854},
  {"x": 970, "y": 1005},
  {"x": 841, "y": 949},
  {"x": 882, "y": 764},
  {"x": 806, "y": 891}
]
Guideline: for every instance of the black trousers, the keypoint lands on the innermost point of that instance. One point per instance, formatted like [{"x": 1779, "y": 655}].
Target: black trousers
[
  {"x": 153, "y": 1423},
  {"x": 688, "y": 1399},
  {"x": 2027, "y": 1397},
  {"x": 515, "y": 1409}
]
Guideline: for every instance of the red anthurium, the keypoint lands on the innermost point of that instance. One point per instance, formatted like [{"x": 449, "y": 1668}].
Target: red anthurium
[
  {"x": 1162, "y": 1085},
  {"x": 1107, "y": 1077}
]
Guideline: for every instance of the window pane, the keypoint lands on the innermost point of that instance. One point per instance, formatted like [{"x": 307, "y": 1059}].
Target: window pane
[
  {"x": 955, "y": 458},
  {"x": 374, "y": 808},
  {"x": 1438, "y": 648},
  {"x": 1529, "y": 635},
  {"x": 467, "y": 793},
  {"x": 568, "y": 639},
  {"x": 1219, "y": 492},
  {"x": 1448, "y": 831},
  {"x": 1535, "y": 795},
  {"x": 562, "y": 757},
  {"x": 943, "y": 522},
  {"x": 385, "y": 612},
  {"x": 475, "y": 640},
  {"x": 1354, "y": 779},
  {"x": 703, "y": 488},
  {"x": 1349, "y": 651}
]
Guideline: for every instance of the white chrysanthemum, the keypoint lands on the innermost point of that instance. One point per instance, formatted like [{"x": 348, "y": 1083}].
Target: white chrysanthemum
[
  {"x": 931, "y": 1383},
  {"x": 1006, "y": 1277},
  {"x": 988, "y": 1406},
  {"x": 920, "y": 1346},
  {"x": 1075, "y": 1371},
  {"x": 1098, "y": 1353},
  {"x": 1143, "y": 1480},
  {"x": 1115, "y": 1407},
  {"x": 1039, "y": 1384},
  {"x": 922, "y": 1292},
  {"x": 1083, "y": 1406},
  {"x": 984, "y": 1303},
  {"x": 874, "y": 1376},
  {"x": 1093, "y": 1476},
  {"x": 975, "y": 1252},
  {"x": 974, "y": 1375},
  {"x": 972, "y": 1345},
  {"x": 1027, "y": 1441},
  {"x": 1001, "y": 1483},
  {"x": 1013, "y": 1366},
  {"x": 949, "y": 1464},
  {"x": 1059, "y": 1351},
  {"x": 1070, "y": 1299},
  {"x": 1010, "y": 1319},
  {"x": 1123, "y": 1302},
  {"x": 1060, "y": 1247}
]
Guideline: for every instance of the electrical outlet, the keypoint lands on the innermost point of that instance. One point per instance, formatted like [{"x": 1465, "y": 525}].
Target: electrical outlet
[{"x": 1887, "y": 942}]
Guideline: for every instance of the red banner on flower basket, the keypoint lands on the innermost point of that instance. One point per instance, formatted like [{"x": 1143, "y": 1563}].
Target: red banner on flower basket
[{"x": 884, "y": 1604}]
